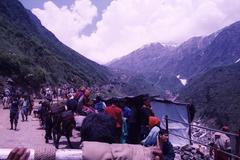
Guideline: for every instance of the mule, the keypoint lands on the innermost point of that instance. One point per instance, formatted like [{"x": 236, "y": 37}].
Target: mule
[{"x": 63, "y": 125}]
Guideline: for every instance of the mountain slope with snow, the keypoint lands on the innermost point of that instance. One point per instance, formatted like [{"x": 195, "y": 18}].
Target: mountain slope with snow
[{"x": 195, "y": 56}]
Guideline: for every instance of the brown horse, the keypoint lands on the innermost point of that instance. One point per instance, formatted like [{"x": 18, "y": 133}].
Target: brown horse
[{"x": 63, "y": 124}]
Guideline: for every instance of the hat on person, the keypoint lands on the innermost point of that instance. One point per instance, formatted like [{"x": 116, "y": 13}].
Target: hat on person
[{"x": 153, "y": 121}]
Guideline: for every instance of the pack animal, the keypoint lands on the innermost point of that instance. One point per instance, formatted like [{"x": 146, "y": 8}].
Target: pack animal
[{"x": 63, "y": 124}]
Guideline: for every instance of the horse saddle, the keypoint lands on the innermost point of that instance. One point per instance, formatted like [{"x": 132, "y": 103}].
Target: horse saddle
[
  {"x": 67, "y": 115},
  {"x": 57, "y": 108}
]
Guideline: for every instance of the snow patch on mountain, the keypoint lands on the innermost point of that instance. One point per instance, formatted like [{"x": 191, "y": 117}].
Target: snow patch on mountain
[
  {"x": 182, "y": 80},
  {"x": 237, "y": 60}
]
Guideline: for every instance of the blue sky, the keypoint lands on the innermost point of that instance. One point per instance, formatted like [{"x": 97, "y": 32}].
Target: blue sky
[
  {"x": 103, "y": 30},
  {"x": 29, "y": 4},
  {"x": 101, "y": 4}
]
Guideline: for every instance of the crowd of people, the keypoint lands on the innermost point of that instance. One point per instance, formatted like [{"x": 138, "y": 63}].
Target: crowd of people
[
  {"x": 111, "y": 121},
  {"x": 106, "y": 121}
]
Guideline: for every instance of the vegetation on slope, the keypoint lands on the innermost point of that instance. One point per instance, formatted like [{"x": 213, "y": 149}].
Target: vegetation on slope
[{"x": 216, "y": 95}]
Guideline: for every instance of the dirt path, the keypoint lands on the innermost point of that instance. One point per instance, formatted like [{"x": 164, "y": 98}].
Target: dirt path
[{"x": 28, "y": 134}]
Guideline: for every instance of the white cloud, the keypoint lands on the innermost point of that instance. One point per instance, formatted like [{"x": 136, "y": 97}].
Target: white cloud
[
  {"x": 128, "y": 24},
  {"x": 66, "y": 22}
]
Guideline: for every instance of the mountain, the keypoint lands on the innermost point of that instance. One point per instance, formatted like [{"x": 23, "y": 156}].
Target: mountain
[
  {"x": 142, "y": 60},
  {"x": 216, "y": 95},
  {"x": 147, "y": 62},
  {"x": 195, "y": 56},
  {"x": 185, "y": 60},
  {"x": 200, "y": 54},
  {"x": 32, "y": 55}
]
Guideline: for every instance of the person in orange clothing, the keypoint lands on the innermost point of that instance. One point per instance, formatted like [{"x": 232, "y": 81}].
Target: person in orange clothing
[{"x": 116, "y": 112}]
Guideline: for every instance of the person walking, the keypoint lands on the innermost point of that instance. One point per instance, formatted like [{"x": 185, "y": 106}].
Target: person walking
[
  {"x": 14, "y": 112},
  {"x": 6, "y": 102},
  {"x": 24, "y": 108},
  {"x": 47, "y": 120},
  {"x": 31, "y": 104}
]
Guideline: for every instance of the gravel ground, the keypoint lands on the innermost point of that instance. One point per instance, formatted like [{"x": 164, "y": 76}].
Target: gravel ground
[{"x": 28, "y": 134}]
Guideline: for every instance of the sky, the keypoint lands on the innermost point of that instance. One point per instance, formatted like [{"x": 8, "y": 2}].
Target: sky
[{"x": 103, "y": 30}]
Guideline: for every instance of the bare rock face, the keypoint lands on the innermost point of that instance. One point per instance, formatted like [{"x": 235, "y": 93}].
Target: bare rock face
[
  {"x": 190, "y": 152},
  {"x": 196, "y": 151}
]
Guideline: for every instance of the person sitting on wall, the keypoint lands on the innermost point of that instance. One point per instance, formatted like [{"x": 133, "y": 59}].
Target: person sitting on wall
[
  {"x": 220, "y": 141},
  {"x": 151, "y": 139},
  {"x": 165, "y": 145}
]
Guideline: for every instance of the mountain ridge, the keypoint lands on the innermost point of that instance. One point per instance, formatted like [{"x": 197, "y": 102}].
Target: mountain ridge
[
  {"x": 32, "y": 49},
  {"x": 194, "y": 56}
]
